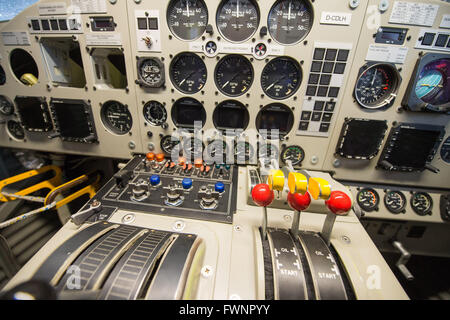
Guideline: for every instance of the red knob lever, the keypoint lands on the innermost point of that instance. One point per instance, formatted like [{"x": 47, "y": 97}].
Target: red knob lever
[
  {"x": 339, "y": 203},
  {"x": 298, "y": 201},
  {"x": 262, "y": 195}
]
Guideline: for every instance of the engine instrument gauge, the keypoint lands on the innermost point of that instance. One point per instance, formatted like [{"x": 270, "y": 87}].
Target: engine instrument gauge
[
  {"x": 234, "y": 75},
  {"x": 290, "y": 20},
  {"x": 216, "y": 152},
  {"x": 368, "y": 199},
  {"x": 237, "y": 20},
  {"x": 116, "y": 117},
  {"x": 151, "y": 72},
  {"x": 188, "y": 72},
  {"x": 268, "y": 152},
  {"x": 187, "y": 19},
  {"x": 295, "y": 154},
  {"x": 168, "y": 144},
  {"x": 377, "y": 86},
  {"x": 193, "y": 148},
  {"x": 6, "y": 106},
  {"x": 421, "y": 203},
  {"x": 243, "y": 151},
  {"x": 281, "y": 78},
  {"x": 395, "y": 201},
  {"x": 155, "y": 113},
  {"x": 15, "y": 130}
]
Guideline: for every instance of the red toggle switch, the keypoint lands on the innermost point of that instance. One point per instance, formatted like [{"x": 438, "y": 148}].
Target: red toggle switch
[
  {"x": 298, "y": 201},
  {"x": 262, "y": 195},
  {"x": 339, "y": 203}
]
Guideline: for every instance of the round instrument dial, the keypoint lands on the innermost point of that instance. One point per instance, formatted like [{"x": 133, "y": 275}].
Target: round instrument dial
[
  {"x": 243, "y": 152},
  {"x": 151, "y": 72},
  {"x": 188, "y": 72},
  {"x": 432, "y": 85},
  {"x": 187, "y": 19},
  {"x": 155, "y": 113},
  {"x": 268, "y": 152},
  {"x": 368, "y": 199},
  {"x": 15, "y": 130},
  {"x": 237, "y": 20},
  {"x": 169, "y": 144},
  {"x": 376, "y": 86},
  {"x": 395, "y": 201},
  {"x": 290, "y": 20},
  {"x": 234, "y": 75},
  {"x": 6, "y": 106},
  {"x": 193, "y": 148},
  {"x": 295, "y": 154},
  {"x": 116, "y": 117},
  {"x": 216, "y": 151},
  {"x": 281, "y": 78},
  {"x": 421, "y": 203}
]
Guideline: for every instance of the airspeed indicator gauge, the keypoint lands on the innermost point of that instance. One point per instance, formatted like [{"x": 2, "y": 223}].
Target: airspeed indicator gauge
[{"x": 377, "y": 86}]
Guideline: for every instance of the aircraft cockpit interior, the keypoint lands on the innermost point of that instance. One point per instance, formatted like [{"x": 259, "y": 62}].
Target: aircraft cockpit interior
[{"x": 209, "y": 150}]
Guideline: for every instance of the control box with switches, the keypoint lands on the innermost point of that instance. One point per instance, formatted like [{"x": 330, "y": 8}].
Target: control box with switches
[{"x": 153, "y": 184}]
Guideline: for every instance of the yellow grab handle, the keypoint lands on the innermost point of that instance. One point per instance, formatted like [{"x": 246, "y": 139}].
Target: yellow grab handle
[
  {"x": 319, "y": 188},
  {"x": 276, "y": 180},
  {"x": 297, "y": 182}
]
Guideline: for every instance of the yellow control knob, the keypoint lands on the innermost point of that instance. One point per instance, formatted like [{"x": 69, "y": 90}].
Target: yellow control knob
[
  {"x": 276, "y": 180},
  {"x": 297, "y": 182},
  {"x": 319, "y": 188}
]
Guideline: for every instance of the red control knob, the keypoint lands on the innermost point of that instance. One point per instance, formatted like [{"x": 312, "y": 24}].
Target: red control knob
[
  {"x": 262, "y": 195},
  {"x": 298, "y": 201},
  {"x": 339, "y": 203}
]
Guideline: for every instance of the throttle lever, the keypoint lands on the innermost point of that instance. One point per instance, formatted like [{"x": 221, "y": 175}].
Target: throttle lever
[
  {"x": 403, "y": 260},
  {"x": 80, "y": 217}
]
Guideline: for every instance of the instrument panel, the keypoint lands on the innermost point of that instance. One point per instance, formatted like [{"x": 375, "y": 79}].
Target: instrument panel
[{"x": 347, "y": 95}]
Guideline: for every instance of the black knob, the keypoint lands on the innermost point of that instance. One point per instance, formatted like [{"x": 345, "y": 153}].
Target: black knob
[
  {"x": 149, "y": 134},
  {"x": 263, "y": 32},
  {"x": 209, "y": 29},
  {"x": 164, "y": 125}
]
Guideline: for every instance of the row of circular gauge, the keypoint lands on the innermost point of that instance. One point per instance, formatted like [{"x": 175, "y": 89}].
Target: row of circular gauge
[
  {"x": 289, "y": 21},
  {"x": 218, "y": 150},
  {"x": 233, "y": 75},
  {"x": 395, "y": 201},
  {"x": 378, "y": 83}
]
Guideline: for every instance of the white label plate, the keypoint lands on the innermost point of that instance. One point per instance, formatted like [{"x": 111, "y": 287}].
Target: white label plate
[
  {"x": 445, "y": 23},
  {"x": 52, "y": 8},
  {"x": 391, "y": 54},
  {"x": 89, "y": 6},
  {"x": 338, "y": 18},
  {"x": 15, "y": 38},
  {"x": 104, "y": 39},
  {"x": 413, "y": 13}
]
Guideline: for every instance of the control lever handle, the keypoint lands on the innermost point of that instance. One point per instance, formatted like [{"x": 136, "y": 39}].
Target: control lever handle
[
  {"x": 298, "y": 202},
  {"x": 263, "y": 196},
  {"x": 80, "y": 217},
  {"x": 403, "y": 260},
  {"x": 339, "y": 204}
]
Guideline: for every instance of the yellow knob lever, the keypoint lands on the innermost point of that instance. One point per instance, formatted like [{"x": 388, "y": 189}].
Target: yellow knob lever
[
  {"x": 276, "y": 180},
  {"x": 319, "y": 188},
  {"x": 297, "y": 182},
  {"x": 28, "y": 79}
]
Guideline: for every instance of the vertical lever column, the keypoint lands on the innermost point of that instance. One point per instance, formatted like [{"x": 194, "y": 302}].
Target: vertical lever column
[
  {"x": 298, "y": 198},
  {"x": 263, "y": 196},
  {"x": 339, "y": 204}
]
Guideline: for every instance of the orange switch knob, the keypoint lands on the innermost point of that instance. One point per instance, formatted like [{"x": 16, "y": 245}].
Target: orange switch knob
[
  {"x": 150, "y": 156},
  {"x": 160, "y": 157}
]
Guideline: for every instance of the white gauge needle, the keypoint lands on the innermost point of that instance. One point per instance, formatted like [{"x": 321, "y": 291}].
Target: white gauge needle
[
  {"x": 374, "y": 76},
  {"x": 289, "y": 12},
  {"x": 187, "y": 8}
]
